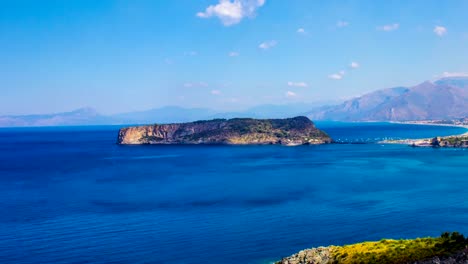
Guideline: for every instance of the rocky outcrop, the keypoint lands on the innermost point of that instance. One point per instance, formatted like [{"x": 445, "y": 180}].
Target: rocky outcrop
[
  {"x": 240, "y": 131},
  {"x": 323, "y": 255},
  {"x": 320, "y": 255},
  {"x": 452, "y": 141}
]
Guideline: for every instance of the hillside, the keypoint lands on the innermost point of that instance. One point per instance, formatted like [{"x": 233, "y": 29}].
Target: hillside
[
  {"x": 448, "y": 248},
  {"x": 446, "y": 98}
]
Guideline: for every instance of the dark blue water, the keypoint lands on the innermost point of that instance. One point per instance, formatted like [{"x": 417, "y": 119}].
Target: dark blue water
[{"x": 70, "y": 195}]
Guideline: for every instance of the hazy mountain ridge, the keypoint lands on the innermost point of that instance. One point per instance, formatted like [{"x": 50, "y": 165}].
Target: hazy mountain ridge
[
  {"x": 82, "y": 116},
  {"x": 446, "y": 98},
  {"x": 163, "y": 115},
  {"x": 442, "y": 99}
]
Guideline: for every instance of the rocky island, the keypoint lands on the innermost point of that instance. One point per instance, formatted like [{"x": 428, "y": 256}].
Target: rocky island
[
  {"x": 449, "y": 248},
  {"x": 237, "y": 131}
]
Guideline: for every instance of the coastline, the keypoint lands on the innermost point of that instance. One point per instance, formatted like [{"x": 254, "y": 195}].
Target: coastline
[
  {"x": 425, "y": 142},
  {"x": 423, "y": 123},
  {"x": 428, "y": 142}
]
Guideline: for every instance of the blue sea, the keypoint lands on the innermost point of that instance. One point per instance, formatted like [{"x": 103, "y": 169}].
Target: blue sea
[{"x": 71, "y": 195}]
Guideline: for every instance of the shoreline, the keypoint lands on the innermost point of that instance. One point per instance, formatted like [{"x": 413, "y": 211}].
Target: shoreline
[
  {"x": 422, "y": 123},
  {"x": 430, "y": 142},
  {"x": 425, "y": 142}
]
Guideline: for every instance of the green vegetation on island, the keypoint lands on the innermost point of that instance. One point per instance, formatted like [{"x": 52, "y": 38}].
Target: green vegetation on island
[
  {"x": 448, "y": 248},
  {"x": 239, "y": 131}
]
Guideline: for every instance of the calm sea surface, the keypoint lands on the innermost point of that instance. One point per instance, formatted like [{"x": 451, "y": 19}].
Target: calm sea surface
[{"x": 71, "y": 195}]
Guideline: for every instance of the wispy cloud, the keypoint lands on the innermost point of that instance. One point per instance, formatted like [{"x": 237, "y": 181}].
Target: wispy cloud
[
  {"x": 215, "y": 92},
  {"x": 389, "y": 27},
  {"x": 232, "y": 12},
  {"x": 337, "y": 76},
  {"x": 440, "y": 30},
  {"x": 454, "y": 74},
  {"x": 233, "y": 54},
  {"x": 267, "y": 44},
  {"x": 168, "y": 61},
  {"x": 340, "y": 75},
  {"x": 195, "y": 84},
  {"x": 290, "y": 94},
  {"x": 297, "y": 84},
  {"x": 354, "y": 65},
  {"x": 342, "y": 23},
  {"x": 301, "y": 31}
]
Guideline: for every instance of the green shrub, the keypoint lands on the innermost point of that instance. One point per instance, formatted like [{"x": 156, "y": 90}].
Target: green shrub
[{"x": 399, "y": 251}]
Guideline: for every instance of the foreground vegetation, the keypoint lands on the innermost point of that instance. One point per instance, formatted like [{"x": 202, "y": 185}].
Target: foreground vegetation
[{"x": 384, "y": 251}]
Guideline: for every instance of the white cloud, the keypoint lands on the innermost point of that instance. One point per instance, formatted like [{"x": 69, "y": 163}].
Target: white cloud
[
  {"x": 301, "y": 31},
  {"x": 290, "y": 94},
  {"x": 455, "y": 74},
  {"x": 195, "y": 84},
  {"x": 215, "y": 92},
  {"x": 354, "y": 65},
  {"x": 298, "y": 84},
  {"x": 268, "y": 44},
  {"x": 390, "y": 27},
  {"x": 440, "y": 30},
  {"x": 233, "y": 54},
  {"x": 231, "y": 12},
  {"x": 168, "y": 61},
  {"x": 341, "y": 24},
  {"x": 337, "y": 76}
]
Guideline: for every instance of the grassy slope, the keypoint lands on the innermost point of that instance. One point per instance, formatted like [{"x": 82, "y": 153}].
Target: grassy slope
[
  {"x": 400, "y": 251},
  {"x": 388, "y": 251}
]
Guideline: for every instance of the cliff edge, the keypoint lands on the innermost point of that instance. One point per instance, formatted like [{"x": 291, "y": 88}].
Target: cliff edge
[{"x": 238, "y": 131}]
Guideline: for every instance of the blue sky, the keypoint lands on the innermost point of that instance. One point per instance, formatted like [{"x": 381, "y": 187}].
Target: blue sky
[{"x": 119, "y": 56}]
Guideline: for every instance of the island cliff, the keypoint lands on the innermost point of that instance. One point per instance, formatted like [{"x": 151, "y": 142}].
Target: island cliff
[{"x": 238, "y": 131}]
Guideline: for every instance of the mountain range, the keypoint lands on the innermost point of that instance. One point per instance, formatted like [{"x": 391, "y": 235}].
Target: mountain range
[
  {"x": 163, "y": 115},
  {"x": 445, "y": 98}
]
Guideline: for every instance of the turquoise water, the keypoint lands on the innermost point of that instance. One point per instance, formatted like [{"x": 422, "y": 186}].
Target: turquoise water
[{"x": 71, "y": 195}]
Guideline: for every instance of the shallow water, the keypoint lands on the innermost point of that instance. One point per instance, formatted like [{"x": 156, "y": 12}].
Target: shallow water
[{"x": 73, "y": 195}]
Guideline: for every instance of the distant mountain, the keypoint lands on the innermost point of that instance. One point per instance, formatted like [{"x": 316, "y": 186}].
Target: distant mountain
[
  {"x": 167, "y": 114},
  {"x": 83, "y": 116},
  {"x": 280, "y": 111},
  {"x": 445, "y": 98},
  {"x": 163, "y": 115},
  {"x": 460, "y": 82},
  {"x": 268, "y": 111}
]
